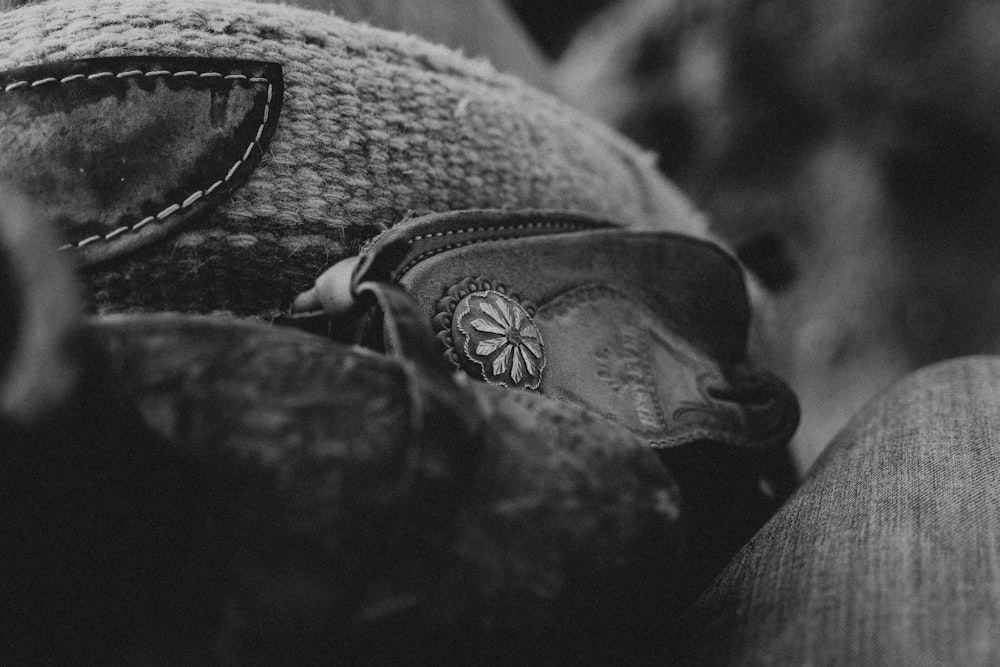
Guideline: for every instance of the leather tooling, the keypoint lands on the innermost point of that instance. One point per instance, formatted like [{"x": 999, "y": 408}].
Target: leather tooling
[
  {"x": 609, "y": 353},
  {"x": 122, "y": 152},
  {"x": 633, "y": 368},
  {"x": 647, "y": 329}
]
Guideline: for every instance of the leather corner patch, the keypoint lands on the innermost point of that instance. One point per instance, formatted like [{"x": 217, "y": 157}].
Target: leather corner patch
[{"x": 122, "y": 152}]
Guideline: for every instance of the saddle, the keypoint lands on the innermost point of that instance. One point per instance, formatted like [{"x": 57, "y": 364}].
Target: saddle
[{"x": 384, "y": 356}]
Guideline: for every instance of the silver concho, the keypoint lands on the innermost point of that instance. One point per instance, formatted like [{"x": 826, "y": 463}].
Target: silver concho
[{"x": 498, "y": 336}]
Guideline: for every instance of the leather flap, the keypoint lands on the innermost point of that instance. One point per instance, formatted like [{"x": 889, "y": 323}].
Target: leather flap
[
  {"x": 648, "y": 329},
  {"x": 690, "y": 284},
  {"x": 121, "y": 152}
]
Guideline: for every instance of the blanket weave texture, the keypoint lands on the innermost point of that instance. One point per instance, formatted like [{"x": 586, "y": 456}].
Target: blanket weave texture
[{"x": 376, "y": 127}]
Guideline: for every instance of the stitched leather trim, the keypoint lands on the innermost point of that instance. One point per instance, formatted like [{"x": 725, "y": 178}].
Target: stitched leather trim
[
  {"x": 409, "y": 243},
  {"x": 119, "y": 152},
  {"x": 463, "y": 237}
]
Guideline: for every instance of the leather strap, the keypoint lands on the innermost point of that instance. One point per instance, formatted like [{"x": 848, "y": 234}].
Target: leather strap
[
  {"x": 393, "y": 254},
  {"x": 406, "y": 333}
]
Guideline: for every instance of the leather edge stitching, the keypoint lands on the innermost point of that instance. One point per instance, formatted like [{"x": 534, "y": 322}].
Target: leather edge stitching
[
  {"x": 194, "y": 196},
  {"x": 472, "y": 230}
]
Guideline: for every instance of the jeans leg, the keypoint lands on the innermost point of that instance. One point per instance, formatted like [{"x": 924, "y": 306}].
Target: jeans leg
[{"x": 889, "y": 553}]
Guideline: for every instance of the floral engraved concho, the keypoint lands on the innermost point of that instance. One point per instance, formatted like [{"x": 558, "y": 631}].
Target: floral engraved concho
[{"x": 491, "y": 335}]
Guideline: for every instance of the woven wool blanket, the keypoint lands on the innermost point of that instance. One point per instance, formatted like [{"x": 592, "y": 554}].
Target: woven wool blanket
[{"x": 376, "y": 126}]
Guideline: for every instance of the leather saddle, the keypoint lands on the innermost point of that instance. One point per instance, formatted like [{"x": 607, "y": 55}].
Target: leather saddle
[{"x": 376, "y": 484}]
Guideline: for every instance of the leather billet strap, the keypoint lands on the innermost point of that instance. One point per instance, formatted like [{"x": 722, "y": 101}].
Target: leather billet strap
[
  {"x": 647, "y": 329},
  {"x": 122, "y": 152}
]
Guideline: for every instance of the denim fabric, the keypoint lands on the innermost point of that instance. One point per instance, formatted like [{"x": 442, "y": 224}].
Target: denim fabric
[{"x": 889, "y": 553}]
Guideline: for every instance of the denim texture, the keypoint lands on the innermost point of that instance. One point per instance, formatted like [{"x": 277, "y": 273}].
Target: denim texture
[{"x": 889, "y": 553}]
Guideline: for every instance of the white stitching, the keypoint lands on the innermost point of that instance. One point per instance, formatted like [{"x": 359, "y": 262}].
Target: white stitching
[
  {"x": 232, "y": 170},
  {"x": 88, "y": 240},
  {"x": 192, "y": 198},
  {"x": 495, "y": 228},
  {"x": 458, "y": 244},
  {"x": 167, "y": 211},
  {"x": 145, "y": 221}
]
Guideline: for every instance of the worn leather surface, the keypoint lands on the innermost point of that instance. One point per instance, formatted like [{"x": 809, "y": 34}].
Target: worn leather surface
[
  {"x": 646, "y": 329},
  {"x": 122, "y": 152},
  {"x": 222, "y": 492},
  {"x": 205, "y": 491}
]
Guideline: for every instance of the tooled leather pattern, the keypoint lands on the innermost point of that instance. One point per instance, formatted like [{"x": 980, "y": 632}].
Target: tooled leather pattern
[
  {"x": 122, "y": 151},
  {"x": 636, "y": 371},
  {"x": 670, "y": 370},
  {"x": 610, "y": 353}
]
